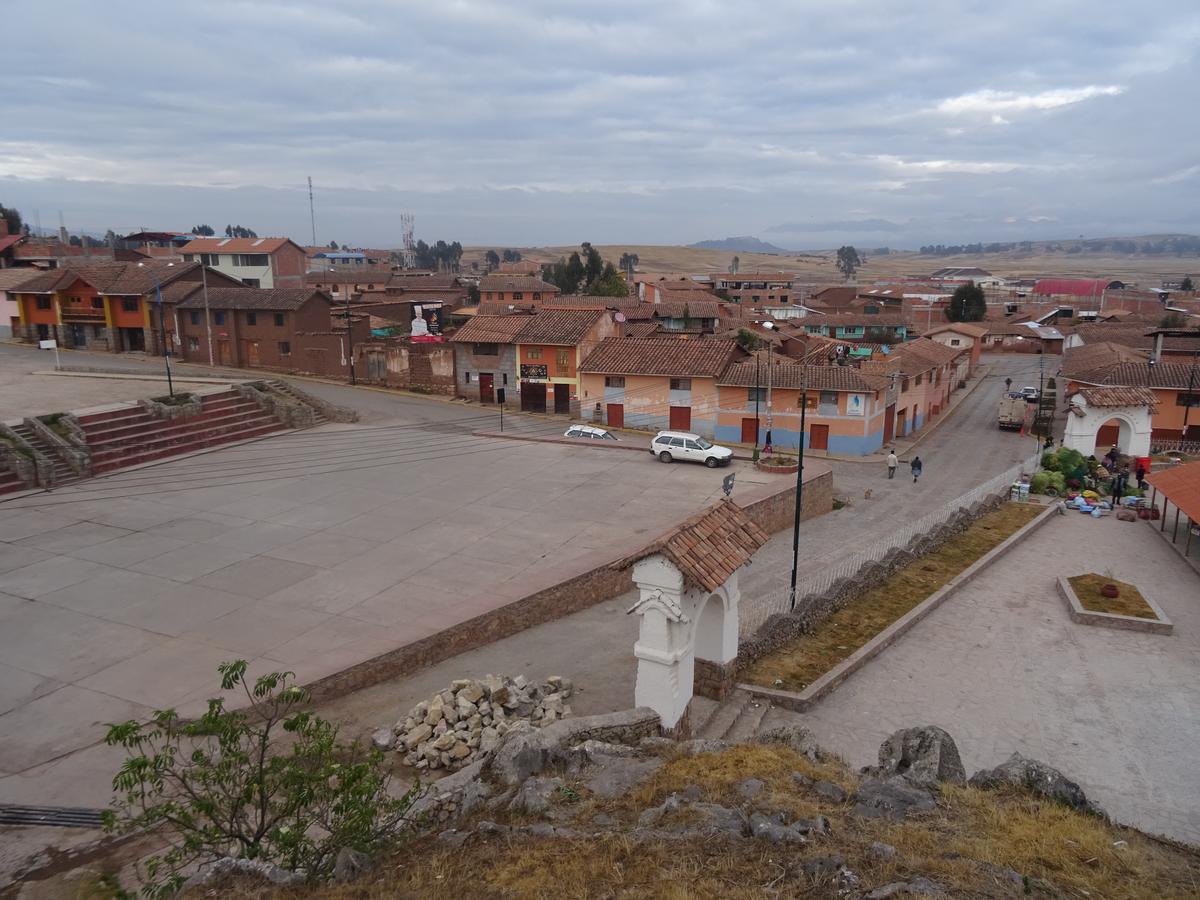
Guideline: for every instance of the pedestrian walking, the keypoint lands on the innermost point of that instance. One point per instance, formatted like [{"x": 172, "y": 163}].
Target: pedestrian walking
[
  {"x": 917, "y": 466},
  {"x": 1008, "y": 384},
  {"x": 892, "y": 462},
  {"x": 1141, "y": 476}
]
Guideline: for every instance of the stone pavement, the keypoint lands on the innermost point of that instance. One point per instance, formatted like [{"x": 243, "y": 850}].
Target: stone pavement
[
  {"x": 309, "y": 551},
  {"x": 1003, "y": 668}
]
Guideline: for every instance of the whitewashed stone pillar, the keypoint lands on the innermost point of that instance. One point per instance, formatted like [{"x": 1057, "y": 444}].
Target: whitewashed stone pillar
[{"x": 664, "y": 645}]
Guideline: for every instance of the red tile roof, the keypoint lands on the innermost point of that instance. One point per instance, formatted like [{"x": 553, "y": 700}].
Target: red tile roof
[
  {"x": 704, "y": 358},
  {"x": 709, "y": 547},
  {"x": 1181, "y": 484},
  {"x": 564, "y": 327},
  {"x": 254, "y": 298},
  {"x": 1074, "y": 287},
  {"x": 236, "y": 245},
  {"x": 484, "y": 329},
  {"x": 695, "y": 309},
  {"x": 792, "y": 375},
  {"x": 515, "y": 283},
  {"x": 1118, "y": 396}
]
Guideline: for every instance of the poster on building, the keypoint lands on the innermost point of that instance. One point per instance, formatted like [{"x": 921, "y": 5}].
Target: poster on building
[
  {"x": 856, "y": 405},
  {"x": 529, "y": 372}
]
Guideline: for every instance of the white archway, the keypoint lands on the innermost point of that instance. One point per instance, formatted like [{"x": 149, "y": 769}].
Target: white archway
[
  {"x": 1091, "y": 408},
  {"x": 688, "y": 638}
]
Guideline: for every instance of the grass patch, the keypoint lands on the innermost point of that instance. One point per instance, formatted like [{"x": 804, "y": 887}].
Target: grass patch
[
  {"x": 971, "y": 830},
  {"x": 801, "y": 662},
  {"x": 1129, "y": 602}
]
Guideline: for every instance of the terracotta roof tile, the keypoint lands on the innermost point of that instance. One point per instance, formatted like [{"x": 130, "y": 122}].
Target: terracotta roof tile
[
  {"x": 704, "y": 358},
  {"x": 515, "y": 283},
  {"x": 560, "y": 326},
  {"x": 485, "y": 329},
  {"x": 1118, "y": 396},
  {"x": 791, "y": 374},
  {"x": 236, "y": 245},
  {"x": 709, "y": 547},
  {"x": 254, "y": 298},
  {"x": 1181, "y": 484}
]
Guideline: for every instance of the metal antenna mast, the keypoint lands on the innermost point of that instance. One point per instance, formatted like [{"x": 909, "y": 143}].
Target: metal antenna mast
[{"x": 312, "y": 213}]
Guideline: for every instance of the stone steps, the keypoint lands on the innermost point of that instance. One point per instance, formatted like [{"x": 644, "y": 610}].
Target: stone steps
[
  {"x": 63, "y": 474},
  {"x": 741, "y": 717},
  {"x": 9, "y": 482}
]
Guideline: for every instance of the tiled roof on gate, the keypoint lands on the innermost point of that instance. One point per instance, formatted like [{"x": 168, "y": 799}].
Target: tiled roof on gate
[
  {"x": 254, "y": 298},
  {"x": 709, "y": 547},
  {"x": 791, "y": 375},
  {"x": 1118, "y": 396},
  {"x": 485, "y": 329},
  {"x": 566, "y": 327},
  {"x": 515, "y": 283},
  {"x": 704, "y": 358},
  {"x": 1181, "y": 485}
]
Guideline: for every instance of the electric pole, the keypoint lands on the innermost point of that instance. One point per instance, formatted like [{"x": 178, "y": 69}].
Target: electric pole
[{"x": 799, "y": 480}]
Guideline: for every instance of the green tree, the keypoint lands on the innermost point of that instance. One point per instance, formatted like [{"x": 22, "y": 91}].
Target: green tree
[
  {"x": 967, "y": 304},
  {"x": 593, "y": 263},
  {"x": 848, "y": 261},
  {"x": 1172, "y": 320},
  {"x": 75, "y": 241},
  {"x": 492, "y": 258},
  {"x": 629, "y": 263},
  {"x": 574, "y": 274},
  {"x": 749, "y": 341},
  {"x": 12, "y": 218},
  {"x": 511, "y": 256},
  {"x": 473, "y": 294},
  {"x": 203, "y": 230},
  {"x": 333, "y": 245},
  {"x": 1186, "y": 284},
  {"x": 269, "y": 782},
  {"x": 734, "y": 265},
  {"x": 609, "y": 284},
  {"x": 110, "y": 238}
]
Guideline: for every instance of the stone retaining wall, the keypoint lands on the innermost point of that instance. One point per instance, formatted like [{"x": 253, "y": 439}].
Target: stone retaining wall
[
  {"x": 714, "y": 680},
  {"x": 782, "y": 628}
]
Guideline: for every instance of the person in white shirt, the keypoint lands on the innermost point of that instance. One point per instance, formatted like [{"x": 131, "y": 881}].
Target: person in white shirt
[{"x": 892, "y": 462}]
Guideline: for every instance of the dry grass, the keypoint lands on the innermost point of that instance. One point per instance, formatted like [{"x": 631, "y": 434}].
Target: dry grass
[
  {"x": 819, "y": 266},
  {"x": 971, "y": 829},
  {"x": 1129, "y": 602},
  {"x": 801, "y": 662}
]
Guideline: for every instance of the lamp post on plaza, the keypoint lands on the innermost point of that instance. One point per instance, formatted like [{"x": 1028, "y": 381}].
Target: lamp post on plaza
[{"x": 162, "y": 326}]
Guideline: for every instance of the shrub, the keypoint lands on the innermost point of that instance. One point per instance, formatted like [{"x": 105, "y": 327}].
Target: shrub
[
  {"x": 1037, "y": 484},
  {"x": 1050, "y": 461},
  {"x": 223, "y": 785}
]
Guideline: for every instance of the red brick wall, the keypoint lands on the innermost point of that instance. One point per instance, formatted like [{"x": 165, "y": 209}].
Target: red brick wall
[{"x": 288, "y": 265}]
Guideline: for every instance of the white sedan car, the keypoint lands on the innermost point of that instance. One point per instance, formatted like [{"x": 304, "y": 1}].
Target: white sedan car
[
  {"x": 589, "y": 432},
  {"x": 669, "y": 446}
]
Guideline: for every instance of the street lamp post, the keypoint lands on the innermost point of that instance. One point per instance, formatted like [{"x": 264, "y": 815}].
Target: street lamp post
[
  {"x": 162, "y": 327},
  {"x": 799, "y": 482},
  {"x": 207, "y": 314}
]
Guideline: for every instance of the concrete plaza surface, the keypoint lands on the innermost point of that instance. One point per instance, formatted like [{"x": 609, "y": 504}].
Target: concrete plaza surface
[
  {"x": 1002, "y": 667},
  {"x": 309, "y": 551}
]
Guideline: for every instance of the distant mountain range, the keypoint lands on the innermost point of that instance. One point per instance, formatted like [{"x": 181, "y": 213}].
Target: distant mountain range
[{"x": 743, "y": 244}]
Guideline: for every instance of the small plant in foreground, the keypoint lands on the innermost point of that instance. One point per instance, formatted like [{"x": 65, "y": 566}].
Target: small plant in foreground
[{"x": 269, "y": 782}]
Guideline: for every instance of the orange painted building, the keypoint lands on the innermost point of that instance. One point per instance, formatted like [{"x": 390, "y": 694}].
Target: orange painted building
[{"x": 523, "y": 290}]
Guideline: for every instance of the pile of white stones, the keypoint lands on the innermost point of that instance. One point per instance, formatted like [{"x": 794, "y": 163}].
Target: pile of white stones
[{"x": 452, "y": 728}]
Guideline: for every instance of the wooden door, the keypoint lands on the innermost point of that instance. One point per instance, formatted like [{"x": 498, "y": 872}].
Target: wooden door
[
  {"x": 224, "y": 357},
  {"x": 616, "y": 415},
  {"x": 901, "y": 424},
  {"x": 818, "y": 437},
  {"x": 750, "y": 431},
  {"x": 681, "y": 418},
  {"x": 533, "y": 397},
  {"x": 562, "y": 399},
  {"x": 889, "y": 424},
  {"x": 252, "y": 353},
  {"x": 487, "y": 387}
]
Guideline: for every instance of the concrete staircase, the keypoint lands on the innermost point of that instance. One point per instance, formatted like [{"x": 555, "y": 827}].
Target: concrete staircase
[
  {"x": 63, "y": 474},
  {"x": 9, "y": 482},
  {"x": 740, "y": 717},
  {"x": 130, "y": 436},
  {"x": 282, "y": 387}
]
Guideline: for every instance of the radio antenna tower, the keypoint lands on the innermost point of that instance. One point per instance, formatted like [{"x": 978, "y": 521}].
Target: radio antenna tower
[
  {"x": 407, "y": 225},
  {"x": 312, "y": 212}
]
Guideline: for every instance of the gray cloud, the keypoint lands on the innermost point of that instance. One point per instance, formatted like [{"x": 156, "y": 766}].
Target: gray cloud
[{"x": 544, "y": 121}]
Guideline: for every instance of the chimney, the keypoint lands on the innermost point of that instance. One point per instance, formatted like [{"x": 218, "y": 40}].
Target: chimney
[{"x": 1158, "y": 345}]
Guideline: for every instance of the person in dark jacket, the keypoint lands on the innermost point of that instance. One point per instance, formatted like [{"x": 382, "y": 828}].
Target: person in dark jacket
[
  {"x": 1141, "y": 476},
  {"x": 917, "y": 466}
]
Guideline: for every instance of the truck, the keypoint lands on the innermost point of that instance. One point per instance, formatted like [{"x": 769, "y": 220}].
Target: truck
[{"x": 1013, "y": 407}]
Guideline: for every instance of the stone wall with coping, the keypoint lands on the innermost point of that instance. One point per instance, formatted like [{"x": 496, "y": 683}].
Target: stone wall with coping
[
  {"x": 288, "y": 410},
  {"x": 172, "y": 411},
  {"x": 330, "y": 411},
  {"x": 18, "y": 457},
  {"x": 783, "y": 628},
  {"x": 714, "y": 680}
]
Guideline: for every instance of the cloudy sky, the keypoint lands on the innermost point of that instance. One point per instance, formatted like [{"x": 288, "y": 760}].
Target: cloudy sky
[{"x": 553, "y": 121}]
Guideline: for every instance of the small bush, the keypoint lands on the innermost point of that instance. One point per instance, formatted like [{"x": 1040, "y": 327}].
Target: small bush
[
  {"x": 1050, "y": 461},
  {"x": 231, "y": 784},
  {"x": 1037, "y": 484}
]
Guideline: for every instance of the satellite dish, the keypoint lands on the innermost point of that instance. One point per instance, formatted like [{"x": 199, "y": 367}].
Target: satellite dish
[{"x": 619, "y": 317}]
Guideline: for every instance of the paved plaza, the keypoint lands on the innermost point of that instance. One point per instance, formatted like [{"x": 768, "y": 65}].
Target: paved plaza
[
  {"x": 309, "y": 551},
  {"x": 1003, "y": 668}
]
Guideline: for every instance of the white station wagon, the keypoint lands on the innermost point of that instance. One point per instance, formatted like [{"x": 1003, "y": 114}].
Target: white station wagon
[{"x": 669, "y": 446}]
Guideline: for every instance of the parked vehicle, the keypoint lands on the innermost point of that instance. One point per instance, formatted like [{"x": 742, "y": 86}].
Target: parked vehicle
[
  {"x": 1031, "y": 393},
  {"x": 589, "y": 432},
  {"x": 1013, "y": 407},
  {"x": 669, "y": 446}
]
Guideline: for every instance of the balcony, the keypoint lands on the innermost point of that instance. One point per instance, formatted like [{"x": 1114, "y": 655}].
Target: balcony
[{"x": 84, "y": 313}]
